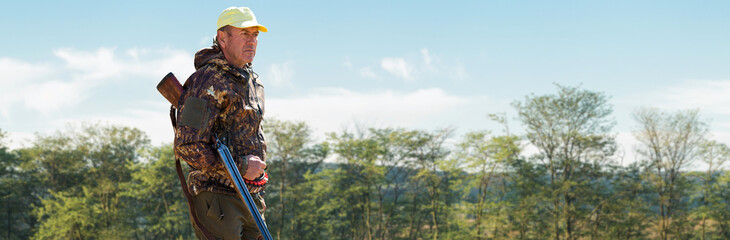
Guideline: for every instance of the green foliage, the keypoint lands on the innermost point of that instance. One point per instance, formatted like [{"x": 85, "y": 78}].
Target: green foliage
[
  {"x": 671, "y": 141},
  {"x": 16, "y": 201},
  {"x": 158, "y": 209},
  {"x": 571, "y": 130},
  {"x": 65, "y": 216},
  {"x": 626, "y": 212},
  {"x": 708, "y": 196},
  {"x": 76, "y": 178},
  {"x": 291, "y": 155},
  {"x": 107, "y": 182},
  {"x": 722, "y": 206},
  {"x": 489, "y": 158}
]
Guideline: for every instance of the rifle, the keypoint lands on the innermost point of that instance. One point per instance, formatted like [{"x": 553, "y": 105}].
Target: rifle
[
  {"x": 171, "y": 89},
  {"x": 225, "y": 154}
]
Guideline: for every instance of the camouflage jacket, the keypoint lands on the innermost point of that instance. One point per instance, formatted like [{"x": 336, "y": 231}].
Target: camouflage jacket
[{"x": 221, "y": 100}]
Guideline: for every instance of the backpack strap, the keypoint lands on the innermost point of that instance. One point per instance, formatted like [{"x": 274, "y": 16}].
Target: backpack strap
[{"x": 184, "y": 185}]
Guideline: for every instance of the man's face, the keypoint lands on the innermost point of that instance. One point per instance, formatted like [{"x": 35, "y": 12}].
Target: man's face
[{"x": 239, "y": 44}]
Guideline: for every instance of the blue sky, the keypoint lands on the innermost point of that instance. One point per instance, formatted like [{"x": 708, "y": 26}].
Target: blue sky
[{"x": 335, "y": 64}]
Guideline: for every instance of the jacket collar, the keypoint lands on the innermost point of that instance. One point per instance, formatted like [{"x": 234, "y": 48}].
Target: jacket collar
[{"x": 213, "y": 55}]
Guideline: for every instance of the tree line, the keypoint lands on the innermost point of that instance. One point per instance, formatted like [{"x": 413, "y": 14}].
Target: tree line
[{"x": 110, "y": 182}]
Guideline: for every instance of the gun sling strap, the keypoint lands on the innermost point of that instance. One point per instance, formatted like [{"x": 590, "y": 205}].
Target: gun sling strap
[{"x": 184, "y": 186}]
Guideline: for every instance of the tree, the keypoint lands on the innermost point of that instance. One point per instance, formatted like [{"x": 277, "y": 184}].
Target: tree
[
  {"x": 359, "y": 153},
  {"x": 714, "y": 154},
  {"x": 326, "y": 207},
  {"x": 391, "y": 183},
  {"x": 627, "y": 211},
  {"x": 50, "y": 167},
  {"x": 527, "y": 202},
  {"x": 397, "y": 160},
  {"x": 488, "y": 157},
  {"x": 96, "y": 159},
  {"x": 722, "y": 207},
  {"x": 670, "y": 142},
  {"x": 290, "y": 155},
  {"x": 16, "y": 200},
  {"x": 572, "y": 132},
  {"x": 432, "y": 174},
  {"x": 67, "y": 217},
  {"x": 55, "y": 163},
  {"x": 158, "y": 208}
]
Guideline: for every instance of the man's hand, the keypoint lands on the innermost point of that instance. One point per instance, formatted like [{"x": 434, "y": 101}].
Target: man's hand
[{"x": 255, "y": 167}]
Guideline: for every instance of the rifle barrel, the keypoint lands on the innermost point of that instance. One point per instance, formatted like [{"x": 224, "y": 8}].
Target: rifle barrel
[{"x": 225, "y": 155}]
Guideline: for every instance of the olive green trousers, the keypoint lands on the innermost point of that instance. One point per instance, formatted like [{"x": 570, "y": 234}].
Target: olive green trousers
[{"x": 226, "y": 216}]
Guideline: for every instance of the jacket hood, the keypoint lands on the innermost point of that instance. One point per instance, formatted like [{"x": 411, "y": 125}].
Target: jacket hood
[
  {"x": 209, "y": 55},
  {"x": 213, "y": 55}
]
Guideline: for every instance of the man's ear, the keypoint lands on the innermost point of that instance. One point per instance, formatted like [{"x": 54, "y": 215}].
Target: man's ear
[{"x": 221, "y": 38}]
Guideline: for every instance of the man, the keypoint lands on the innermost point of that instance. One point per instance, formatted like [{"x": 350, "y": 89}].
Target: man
[{"x": 224, "y": 99}]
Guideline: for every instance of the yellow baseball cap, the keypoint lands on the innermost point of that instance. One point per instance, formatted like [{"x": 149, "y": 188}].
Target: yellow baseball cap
[{"x": 240, "y": 17}]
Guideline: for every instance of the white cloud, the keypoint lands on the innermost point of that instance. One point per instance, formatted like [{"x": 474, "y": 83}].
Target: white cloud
[
  {"x": 459, "y": 72},
  {"x": 106, "y": 65},
  {"x": 49, "y": 96},
  {"x": 329, "y": 110},
  {"x": 428, "y": 60},
  {"x": 426, "y": 57},
  {"x": 709, "y": 96},
  {"x": 16, "y": 72},
  {"x": 45, "y": 96},
  {"x": 46, "y": 87},
  {"x": 151, "y": 117},
  {"x": 398, "y": 67},
  {"x": 90, "y": 66},
  {"x": 19, "y": 80},
  {"x": 280, "y": 74},
  {"x": 347, "y": 63},
  {"x": 411, "y": 68},
  {"x": 368, "y": 73}
]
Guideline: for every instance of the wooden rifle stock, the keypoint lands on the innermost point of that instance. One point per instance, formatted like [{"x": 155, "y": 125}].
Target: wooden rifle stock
[{"x": 170, "y": 88}]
